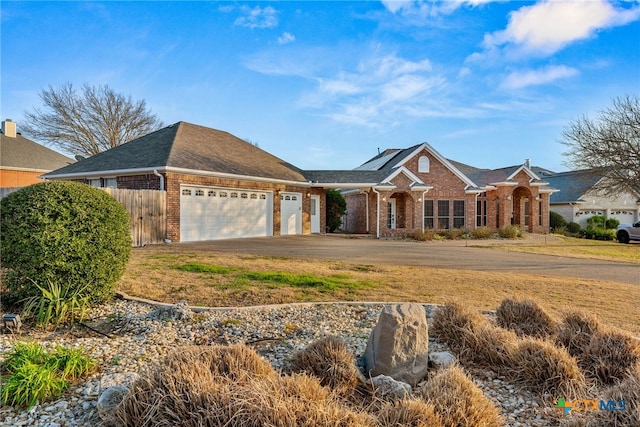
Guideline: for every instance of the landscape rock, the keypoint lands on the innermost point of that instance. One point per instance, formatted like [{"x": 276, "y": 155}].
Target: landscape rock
[
  {"x": 441, "y": 359},
  {"x": 118, "y": 378},
  {"x": 398, "y": 346},
  {"x": 388, "y": 388},
  {"x": 109, "y": 399},
  {"x": 177, "y": 312}
]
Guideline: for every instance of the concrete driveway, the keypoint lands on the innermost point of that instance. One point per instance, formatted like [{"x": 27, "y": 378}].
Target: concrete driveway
[{"x": 449, "y": 255}]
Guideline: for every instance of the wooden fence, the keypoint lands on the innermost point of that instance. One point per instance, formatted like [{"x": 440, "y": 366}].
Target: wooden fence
[{"x": 147, "y": 209}]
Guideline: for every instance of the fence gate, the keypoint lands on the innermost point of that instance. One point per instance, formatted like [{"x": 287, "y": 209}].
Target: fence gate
[{"x": 147, "y": 209}]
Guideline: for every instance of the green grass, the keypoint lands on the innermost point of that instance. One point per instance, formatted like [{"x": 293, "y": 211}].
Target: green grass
[
  {"x": 32, "y": 375},
  {"x": 241, "y": 278}
]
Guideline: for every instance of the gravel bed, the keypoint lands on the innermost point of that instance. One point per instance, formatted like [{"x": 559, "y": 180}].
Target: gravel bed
[{"x": 140, "y": 334}]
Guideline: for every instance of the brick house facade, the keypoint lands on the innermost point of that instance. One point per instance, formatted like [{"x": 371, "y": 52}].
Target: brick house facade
[
  {"x": 219, "y": 186},
  {"x": 401, "y": 191}
]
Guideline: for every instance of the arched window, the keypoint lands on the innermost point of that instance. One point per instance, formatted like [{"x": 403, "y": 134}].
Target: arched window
[{"x": 423, "y": 164}]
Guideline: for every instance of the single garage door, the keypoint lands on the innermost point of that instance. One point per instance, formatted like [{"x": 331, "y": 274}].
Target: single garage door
[
  {"x": 624, "y": 216},
  {"x": 208, "y": 213},
  {"x": 290, "y": 213}
]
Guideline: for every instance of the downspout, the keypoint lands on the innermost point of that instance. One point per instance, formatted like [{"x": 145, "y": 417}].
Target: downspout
[
  {"x": 377, "y": 213},
  {"x": 155, "y": 172},
  {"x": 367, "y": 208}
]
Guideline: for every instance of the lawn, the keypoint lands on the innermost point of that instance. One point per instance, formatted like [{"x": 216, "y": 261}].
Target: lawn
[{"x": 170, "y": 273}]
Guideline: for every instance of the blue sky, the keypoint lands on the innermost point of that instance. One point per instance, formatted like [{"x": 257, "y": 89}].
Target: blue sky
[{"x": 324, "y": 85}]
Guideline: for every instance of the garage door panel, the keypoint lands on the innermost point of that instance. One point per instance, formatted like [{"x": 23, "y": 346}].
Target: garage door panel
[{"x": 225, "y": 214}]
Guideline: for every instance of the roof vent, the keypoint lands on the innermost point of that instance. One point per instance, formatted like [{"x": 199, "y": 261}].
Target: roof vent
[{"x": 9, "y": 128}]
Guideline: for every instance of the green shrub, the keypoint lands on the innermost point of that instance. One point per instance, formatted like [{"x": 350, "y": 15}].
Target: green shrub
[
  {"x": 34, "y": 375},
  {"x": 556, "y": 221},
  {"x": 336, "y": 208},
  {"x": 510, "y": 232},
  {"x": 611, "y": 224},
  {"x": 65, "y": 235},
  {"x": 56, "y": 304},
  {"x": 598, "y": 233},
  {"x": 596, "y": 221},
  {"x": 573, "y": 227}
]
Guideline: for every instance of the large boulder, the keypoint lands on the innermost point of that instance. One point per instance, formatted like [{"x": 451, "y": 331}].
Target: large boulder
[{"x": 399, "y": 344}]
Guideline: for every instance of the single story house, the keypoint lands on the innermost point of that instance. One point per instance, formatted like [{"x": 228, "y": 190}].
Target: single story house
[
  {"x": 23, "y": 161},
  {"x": 400, "y": 191},
  {"x": 219, "y": 186},
  {"x": 578, "y": 199}
]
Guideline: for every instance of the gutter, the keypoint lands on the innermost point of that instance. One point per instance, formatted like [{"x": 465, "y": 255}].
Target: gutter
[
  {"x": 155, "y": 172},
  {"x": 377, "y": 212}
]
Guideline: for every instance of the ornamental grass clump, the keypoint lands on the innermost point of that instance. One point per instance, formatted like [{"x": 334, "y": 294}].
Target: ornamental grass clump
[
  {"x": 329, "y": 360},
  {"x": 409, "y": 413},
  {"x": 458, "y": 400},
  {"x": 223, "y": 386},
  {"x": 452, "y": 320},
  {"x": 575, "y": 330},
  {"x": 611, "y": 356},
  {"x": 544, "y": 368},
  {"x": 525, "y": 318},
  {"x": 31, "y": 374}
]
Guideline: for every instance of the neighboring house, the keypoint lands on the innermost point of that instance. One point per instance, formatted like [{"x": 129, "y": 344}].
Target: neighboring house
[
  {"x": 218, "y": 186},
  {"x": 400, "y": 191},
  {"x": 577, "y": 199},
  {"x": 23, "y": 161}
]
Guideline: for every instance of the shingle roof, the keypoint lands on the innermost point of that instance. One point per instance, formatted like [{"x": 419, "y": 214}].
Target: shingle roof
[
  {"x": 572, "y": 185},
  {"x": 22, "y": 153},
  {"x": 192, "y": 147}
]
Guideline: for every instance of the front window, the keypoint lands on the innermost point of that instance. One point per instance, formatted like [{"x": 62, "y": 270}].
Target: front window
[
  {"x": 458, "y": 214},
  {"x": 443, "y": 214},
  {"x": 428, "y": 214}
]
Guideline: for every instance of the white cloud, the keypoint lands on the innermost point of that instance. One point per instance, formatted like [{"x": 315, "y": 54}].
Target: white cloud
[
  {"x": 286, "y": 38},
  {"x": 521, "y": 79},
  {"x": 424, "y": 9},
  {"x": 257, "y": 17},
  {"x": 549, "y": 26}
]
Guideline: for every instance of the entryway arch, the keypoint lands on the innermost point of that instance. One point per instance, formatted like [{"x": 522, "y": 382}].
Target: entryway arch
[{"x": 523, "y": 208}]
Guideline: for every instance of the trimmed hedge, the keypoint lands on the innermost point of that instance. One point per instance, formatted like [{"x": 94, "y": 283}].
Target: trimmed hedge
[{"x": 63, "y": 234}]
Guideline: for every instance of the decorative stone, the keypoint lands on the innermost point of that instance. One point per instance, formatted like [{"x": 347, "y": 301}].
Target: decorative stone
[
  {"x": 441, "y": 359},
  {"x": 109, "y": 399},
  {"x": 177, "y": 312},
  {"x": 122, "y": 378},
  {"x": 388, "y": 388},
  {"x": 399, "y": 344}
]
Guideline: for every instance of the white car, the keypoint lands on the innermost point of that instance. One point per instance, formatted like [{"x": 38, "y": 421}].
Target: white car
[{"x": 628, "y": 232}]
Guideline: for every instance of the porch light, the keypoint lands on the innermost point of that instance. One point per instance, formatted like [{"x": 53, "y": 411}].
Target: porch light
[
  {"x": 509, "y": 197},
  {"x": 11, "y": 322},
  {"x": 384, "y": 199}
]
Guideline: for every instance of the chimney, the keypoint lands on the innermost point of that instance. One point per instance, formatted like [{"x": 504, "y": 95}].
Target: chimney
[
  {"x": 527, "y": 163},
  {"x": 9, "y": 128}
]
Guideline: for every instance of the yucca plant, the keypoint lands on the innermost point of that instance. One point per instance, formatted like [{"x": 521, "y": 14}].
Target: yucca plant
[{"x": 56, "y": 304}]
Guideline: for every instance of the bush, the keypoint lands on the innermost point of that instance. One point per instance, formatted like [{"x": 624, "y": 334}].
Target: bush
[
  {"x": 452, "y": 234},
  {"x": 63, "y": 234},
  {"x": 598, "y": 233},
  {"x": 481, "y": 233},
  {"x": 409, "y": 413},
  {"x": 556, "y": 221},
  {"x": 611, "y": 224},
  {"x": 426, "y": 235},
  {"x": 525, "y": 318},
  {"x": 596, "y": 221},
  {"x": 573, "y": 227},
  {"x": 610, "y": 356},
  {"x": 336, "y": 207},
  {"x": 510, "y": 232}
]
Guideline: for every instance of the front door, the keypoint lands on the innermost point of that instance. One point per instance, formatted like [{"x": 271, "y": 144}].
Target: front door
[
  {"x": 315, "y": 214},
  {"x": 391, "y": 214}
]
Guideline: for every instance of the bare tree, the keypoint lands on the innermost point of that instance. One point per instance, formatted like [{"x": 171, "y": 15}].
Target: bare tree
[
  {"x": 608, "y": 146},
  {"x": 88, "y": 123}
]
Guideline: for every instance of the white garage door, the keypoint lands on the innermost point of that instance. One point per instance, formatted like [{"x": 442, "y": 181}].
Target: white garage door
[
  {"x": 208, "y": 213},
  {"x": 290, "y": 213},
  {"x": 624, "y": 216}
]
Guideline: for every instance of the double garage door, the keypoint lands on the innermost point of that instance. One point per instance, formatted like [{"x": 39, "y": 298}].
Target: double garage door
[{"x": 209, "y": 213}]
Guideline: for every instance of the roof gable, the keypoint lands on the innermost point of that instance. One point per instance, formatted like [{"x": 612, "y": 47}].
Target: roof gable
[{"x": 414, "y": 151}]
